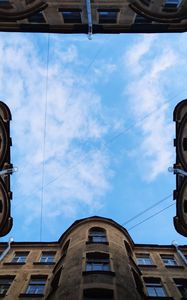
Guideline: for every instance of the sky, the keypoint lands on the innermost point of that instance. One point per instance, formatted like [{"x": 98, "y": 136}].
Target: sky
[{"x": 92, "y": 130}]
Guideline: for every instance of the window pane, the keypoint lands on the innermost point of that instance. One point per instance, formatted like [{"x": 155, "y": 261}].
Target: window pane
[{"x": 36, "y": 286}]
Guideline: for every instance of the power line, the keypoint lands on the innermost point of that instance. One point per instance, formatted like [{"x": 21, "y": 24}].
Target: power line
[
  {"x": 147, "y": 209},
  {"x": 44, "y": 138},
  {"x": 157, "y": 213}
]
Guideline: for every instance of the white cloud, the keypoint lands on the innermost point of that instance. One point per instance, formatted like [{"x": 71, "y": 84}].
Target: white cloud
[
  {"x": 148, "y": 104},
  {"x": 74, "y": 123}
]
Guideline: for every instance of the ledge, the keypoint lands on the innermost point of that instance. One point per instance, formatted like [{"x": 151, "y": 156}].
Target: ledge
[
  {"x": 97, "y": 243},
  {"x": 175, "y": 267},
  {"x": 110, "y": 273},
  {"x": 43, "y": 263},
  {"x": 14, "y": 263},
  {"x": 160, "y": 298},
  {"x": 22, "y": 295},
  {"x": 147, "y": 266}
]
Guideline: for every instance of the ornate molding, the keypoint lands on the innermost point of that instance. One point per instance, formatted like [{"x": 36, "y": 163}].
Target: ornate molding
[
  {"x": 164, "y": 17},
  {"x": 14, "y": 15}
]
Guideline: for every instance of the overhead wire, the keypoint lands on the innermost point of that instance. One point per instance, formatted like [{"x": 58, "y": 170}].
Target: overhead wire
[
  {"x": 150, "y": 217},
  {"x": 44, "y": 136},
  {"x": 146, "y": 210}
]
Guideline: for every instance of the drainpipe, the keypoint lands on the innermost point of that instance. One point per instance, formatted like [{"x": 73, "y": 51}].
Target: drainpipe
[
  {"x": 89, "y": 16},
  {"x": 174, "y": 243},
  {"x": 7, "y": 249}
]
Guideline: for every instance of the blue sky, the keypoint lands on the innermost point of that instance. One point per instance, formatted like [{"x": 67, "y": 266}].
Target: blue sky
[{"x": 109, "y": 129}]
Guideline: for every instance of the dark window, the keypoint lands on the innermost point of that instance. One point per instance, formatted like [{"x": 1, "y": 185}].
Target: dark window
[
  {"x": 168, "y": 260},
  {"x": 142, "y": 20},
  {"x": 37, "y": 18},
  {"x": 71, "y": 16},
  {"x": 47, "y": 257},
  {"x": 181, "y": 284},
  {"x": 20, "y": 257},
  {"x": 172, "y": 3},
  {"x": 5, "y": 283},
  {"x": 107, "y": 16},
  {"x": 154, "y": 287},
  {"x": 36, "y": 285},
  {"x": 97, "y": 235},
  {"x": 5, "y": 4},
  {"x": 56, "y": 278},
  {"x": 65, "y": 248},
  {"x": 144, "y": 259},
  {"x": 97, "y": 261},
  {"x": 99, "y": 294},
  {"x": 128, "y": 248}
]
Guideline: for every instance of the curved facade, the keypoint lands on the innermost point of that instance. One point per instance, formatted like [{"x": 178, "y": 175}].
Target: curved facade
[
  {"x": 95, "y": 258},
  {"x": 98, "y": 262},
  {"x": 93, "y": 16}
]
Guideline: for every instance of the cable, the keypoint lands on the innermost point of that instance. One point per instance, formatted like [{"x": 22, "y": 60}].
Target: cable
[
  {"x": 44, "y": 137},
  {"x": 157, "y": 213},
  {"x": 147, "y": 209}
]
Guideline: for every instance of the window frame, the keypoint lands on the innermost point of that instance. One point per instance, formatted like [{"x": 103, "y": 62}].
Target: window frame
[
  {"x": 178, "y": 288},
  {"x": 144, "y": 257},
  {"x": 170, "y": 258},
  {"x": 46, "y": 255},
  {"x": 34, "y": 282},
  {"x": 18, "y": 257},
  {"x": 97, "y": 235},
  {"x": 98, "y": 262},
  {"x": 8, "y": 278},
  {"x": 155, "y": 285}
]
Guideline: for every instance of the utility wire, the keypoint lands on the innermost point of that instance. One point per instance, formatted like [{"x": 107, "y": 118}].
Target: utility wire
[
  {"x": 147, "y": 209},
  {"x": 157, "y": 213},
  {"x": 44, "y": 137}
]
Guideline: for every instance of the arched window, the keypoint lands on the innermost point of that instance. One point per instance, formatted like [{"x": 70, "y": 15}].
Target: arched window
[
  {"x": 128, "y": 248},
  {"x": 65, "y": 248},
  {"x": 97, "y": 235},
  {"x": 99, "y": 294},
  {"x": 97, "y": 261}
]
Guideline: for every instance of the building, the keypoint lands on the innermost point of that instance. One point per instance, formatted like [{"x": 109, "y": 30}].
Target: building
[
  {"x": 95, "y": 258},
  {"x": 78, "y": 16}
]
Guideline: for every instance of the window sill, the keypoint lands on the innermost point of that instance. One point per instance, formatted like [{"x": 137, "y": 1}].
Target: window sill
[
  {"x": 43, "y": 263},
  {"x": 147, "y": 266},
  {"x": 111, "y": 273},
  {"x": 160, "y": 298},
  {"x": 14, "y": 263},
  {"x": 175, "y": 267},
  {"x": 103, "y": 243},
  {"x": 30, "y": 295}
]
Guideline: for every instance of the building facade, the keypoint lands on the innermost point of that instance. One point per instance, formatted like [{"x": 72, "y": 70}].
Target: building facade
[
  {"x": 90, "y": 16},
  {"x": 95, "y": 258}
]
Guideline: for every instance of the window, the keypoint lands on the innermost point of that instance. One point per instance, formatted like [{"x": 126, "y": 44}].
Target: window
[
  {"x": 5, "y": 4},
  {"x": 47, "y": 257},
  {"x": 37, "y": 18},
  {"x": 97, "y": 235},
  {"x": 169, "y": 260},
  {"x": 144, "y": 259},
  {"x": 97, "y": 261},
  {"x": 71, "y": 15},
  {"x": 181, "y": 284},
  {"x": 109, "y": 16},
  {"x": 65, "y": 248},
  {"x": 5, "y": 283},
  {"x": 154, "y": 287},
  {"x": 128, "y": 249},
  {"x": 20, "y": 257},
  {"x": 142, "y": 20},
  {"x": 36, "y": 285},
  {"x": 172, "y": 3},
  {"x": 99, "y": 294}
]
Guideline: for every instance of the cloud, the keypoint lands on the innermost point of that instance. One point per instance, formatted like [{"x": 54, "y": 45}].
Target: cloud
[
  {"x": 148, "y": 104},
  {"x": 75, "y": 174}
]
